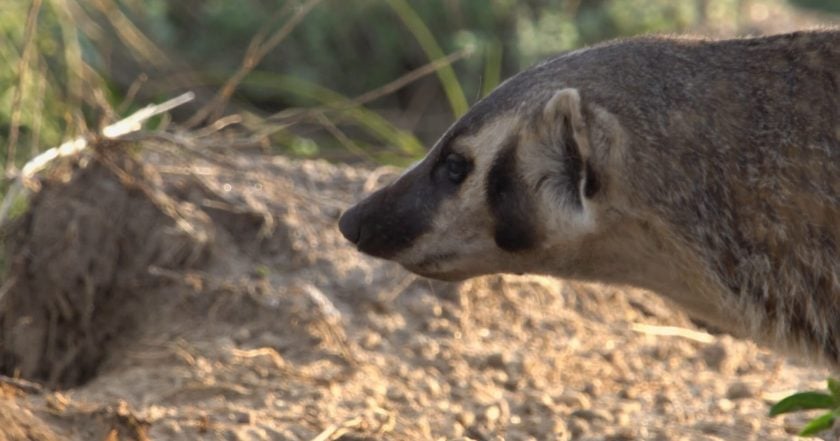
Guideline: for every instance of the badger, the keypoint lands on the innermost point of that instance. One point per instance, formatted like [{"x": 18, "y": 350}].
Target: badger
[{"x": 707, "y": 171}]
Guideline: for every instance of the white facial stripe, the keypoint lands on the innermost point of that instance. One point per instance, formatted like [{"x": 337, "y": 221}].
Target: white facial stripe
[
  {"x": 484, "y": 145},
  {"x": 462, "y": 223}
]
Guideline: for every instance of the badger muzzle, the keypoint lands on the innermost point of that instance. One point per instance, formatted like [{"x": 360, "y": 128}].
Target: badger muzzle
[{"x": 391, "y": 219}]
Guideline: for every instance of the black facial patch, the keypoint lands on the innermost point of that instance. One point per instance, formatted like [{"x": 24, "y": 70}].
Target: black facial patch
[
  {"x": 593, "y": 184},
  {"x": 573, "y": 164},
  {"x": 511, "y": 204},
  {"x": 391, "y": 219}
]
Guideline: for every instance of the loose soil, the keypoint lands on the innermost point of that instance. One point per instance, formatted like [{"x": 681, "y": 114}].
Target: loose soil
[{"x": 167, "y": 299}]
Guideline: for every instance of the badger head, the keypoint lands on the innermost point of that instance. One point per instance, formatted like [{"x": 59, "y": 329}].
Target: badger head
[{"x": 513, "y": 186}]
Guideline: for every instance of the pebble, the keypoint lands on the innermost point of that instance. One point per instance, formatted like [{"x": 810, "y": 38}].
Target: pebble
[
  {"x": 593, "y": 415},
  {"x": 371, "y": 340},
  {"x": 492, "y": 413},
  {"x": 629, "y": 393},
  {"x": 578, "y": 427},
  {"x": 396, "y": 394},
  {"x": 241, "y": 417},
  {"x": 497, "y": 360},
  {"x": 622, "y": 419},
  {"x": 740, "y": 390},
  {"x": 722, "y": 356},
  {"x": 575, "y": 400},
  {"x": 709, "y": 427},
  {"x": 714, "y": 356},
  {"x": 432, "y": 386},
  {"x": 466, "y": 418},
  {"x": 560, "y": 430},
  {"x": 623, "y": 434},
  {"x": 593, "y": 388},
  {"x": 725, "y": 405}
]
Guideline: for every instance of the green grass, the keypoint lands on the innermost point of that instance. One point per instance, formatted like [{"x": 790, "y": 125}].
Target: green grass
[
  {"x": 448, "y": 79},
  {"x": 343, "y": 109}
]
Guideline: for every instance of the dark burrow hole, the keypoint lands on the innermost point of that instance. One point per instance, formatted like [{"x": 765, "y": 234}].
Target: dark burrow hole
[{"x": 77, "y": 269}]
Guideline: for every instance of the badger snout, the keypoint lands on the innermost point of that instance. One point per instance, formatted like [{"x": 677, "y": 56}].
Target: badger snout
[
  {"x": 362, "y": 226},
  {"x": 386, "y": 222},
  {"x": 350, "y": 224}
]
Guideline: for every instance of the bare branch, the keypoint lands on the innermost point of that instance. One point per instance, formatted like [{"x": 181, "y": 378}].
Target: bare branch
[
  {"x": 257, "y": 50},
  {"x": 131, "y": 35},
  {"x": 412, "y": 76},
  {"x": 292, "y": 116},
  {"x": 132, "y": 92}
]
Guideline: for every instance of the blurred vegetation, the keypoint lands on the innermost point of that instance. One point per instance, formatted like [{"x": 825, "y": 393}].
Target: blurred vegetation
[
  {"x": 73, "y": 66},
  {"x": 89, "y": 60},
  {"x": 829, "y": 403}
]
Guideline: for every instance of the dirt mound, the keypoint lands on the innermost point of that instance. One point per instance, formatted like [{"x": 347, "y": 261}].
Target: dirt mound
[
  {"x": 215, "y": 299},
  {"x": 79, "y": 265}
]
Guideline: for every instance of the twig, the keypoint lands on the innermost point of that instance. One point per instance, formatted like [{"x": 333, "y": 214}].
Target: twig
[
  {"x": 673, "y": 331},
  {"x": 97, "y": 97},
  {"x": 336, "y": 431},
  {"x": 279, "y": 363},
  {"x": 75, "y": 77},
  {"x": 83, "y": 21},
  {"x": 296, "y": 115},
  {"x": 412, "y": 76},
  {"x": 325, "y": 306},
  {"x": 342, "y": 138},
  {"x": 260, "y": 37},
  {"x": 330, "y": 322},
  {"x": 133, "y": 122},
  {"x": 29, "y": 387},
  {"x": 392, "y": 293},
  {"x": 188, "y": 143},
  {"x": 218, "y": 125},
  {"x": 14, "y": 131},
  {"x": 131, "y": 35},
  {"x": 127, "y": 125},
  {"x": 35, "y": 147},
  {"x": 257, "y": 50},
  {"x": 288, "y": 117},
  {"x": 132, "y": 92}
]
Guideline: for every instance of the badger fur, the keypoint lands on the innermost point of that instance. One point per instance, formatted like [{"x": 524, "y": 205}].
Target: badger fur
[{"x": 705, "y": 171}]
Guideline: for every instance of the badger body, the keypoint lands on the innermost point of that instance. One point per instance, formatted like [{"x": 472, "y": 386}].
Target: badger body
[{"x": 705, "y": 171}]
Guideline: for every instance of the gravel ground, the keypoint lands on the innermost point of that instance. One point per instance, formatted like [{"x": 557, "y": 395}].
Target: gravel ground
[{"x": 281, "y": 331}]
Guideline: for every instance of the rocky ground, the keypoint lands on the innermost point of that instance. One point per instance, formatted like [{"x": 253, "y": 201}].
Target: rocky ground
[{"x": 215, "y": 299}]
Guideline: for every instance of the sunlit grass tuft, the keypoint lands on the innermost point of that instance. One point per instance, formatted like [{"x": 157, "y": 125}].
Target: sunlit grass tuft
[
  {"x": 448, "y": 79},
  {"x": 343, "y": 109}
]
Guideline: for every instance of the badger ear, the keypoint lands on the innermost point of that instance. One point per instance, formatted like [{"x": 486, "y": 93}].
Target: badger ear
[
  {"x": 562, "y": 117},
  {"x": 563, "y": 127}
]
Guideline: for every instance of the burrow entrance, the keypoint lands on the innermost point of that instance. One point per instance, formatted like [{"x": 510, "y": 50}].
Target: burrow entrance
[{"x": 77, "y": 270}]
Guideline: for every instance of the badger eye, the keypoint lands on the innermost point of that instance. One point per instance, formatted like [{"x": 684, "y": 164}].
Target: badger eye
[{"x": 456, "y": 167}]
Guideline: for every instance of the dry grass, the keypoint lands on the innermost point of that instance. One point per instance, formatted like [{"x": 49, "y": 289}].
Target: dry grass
[{"x": 22, "y": 70}]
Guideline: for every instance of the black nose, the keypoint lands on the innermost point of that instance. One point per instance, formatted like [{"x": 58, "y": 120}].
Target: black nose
[{"x": 350, "y": 225}]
